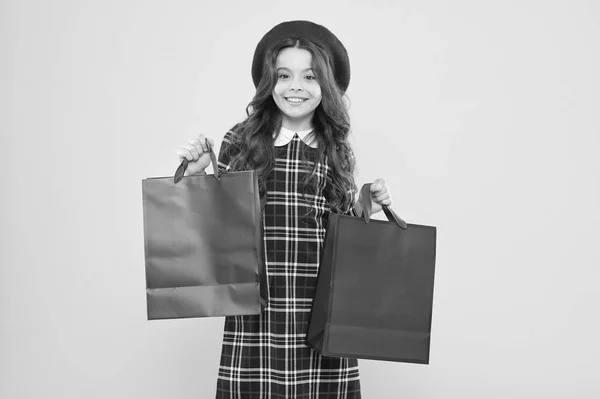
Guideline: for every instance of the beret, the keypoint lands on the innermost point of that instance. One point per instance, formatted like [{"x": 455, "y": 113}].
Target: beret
[{"x": 307, "y": 30}]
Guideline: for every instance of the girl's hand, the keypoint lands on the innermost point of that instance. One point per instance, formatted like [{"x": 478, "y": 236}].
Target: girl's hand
[
  {"x": 380, "y": 195},
  {"x": 197, "y": 154}
]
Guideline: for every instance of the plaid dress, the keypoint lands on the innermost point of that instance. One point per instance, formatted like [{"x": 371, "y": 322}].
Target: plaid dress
[{"x": 265, "y": 356}]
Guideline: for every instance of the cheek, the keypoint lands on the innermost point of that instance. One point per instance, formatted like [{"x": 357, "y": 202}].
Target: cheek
[
  {"x": 316, "y": 91},
  {"x": 317, "y": 94},
  {"x": 278, "y": 90}
]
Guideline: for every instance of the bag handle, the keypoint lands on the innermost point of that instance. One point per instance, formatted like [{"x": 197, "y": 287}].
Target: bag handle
[
  {"x": 389, "y": 213},
  {"x": 184, "y": 164}
]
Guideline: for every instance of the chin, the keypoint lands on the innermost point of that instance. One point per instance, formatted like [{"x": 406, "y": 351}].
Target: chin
[
  {"x": 293, "y": 115},
  {"x": 299, "y": 114}
]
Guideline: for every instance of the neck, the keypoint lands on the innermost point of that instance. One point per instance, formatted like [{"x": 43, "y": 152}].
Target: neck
[{"x": 297, "y": 125}]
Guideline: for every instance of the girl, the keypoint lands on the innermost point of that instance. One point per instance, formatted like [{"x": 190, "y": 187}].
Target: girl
[{"x": 296, "y": 137}]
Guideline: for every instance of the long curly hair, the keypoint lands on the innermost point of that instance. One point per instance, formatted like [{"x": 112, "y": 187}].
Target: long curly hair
[{"x": 253, "y": 140}]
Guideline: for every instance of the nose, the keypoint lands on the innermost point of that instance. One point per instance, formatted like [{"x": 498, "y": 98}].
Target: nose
[{"x": 295, "y": 86}]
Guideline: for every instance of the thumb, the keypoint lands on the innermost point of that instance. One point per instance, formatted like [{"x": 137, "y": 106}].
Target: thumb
[
  {"x": 377, "y": 185},
  {"x": 211, "y": 143}
]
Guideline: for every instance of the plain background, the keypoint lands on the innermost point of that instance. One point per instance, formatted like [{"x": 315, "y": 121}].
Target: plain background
[{"x": 483, "y": 117}]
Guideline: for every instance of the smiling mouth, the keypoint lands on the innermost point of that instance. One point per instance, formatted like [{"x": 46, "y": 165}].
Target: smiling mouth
[{"x": 295, "y": 100}]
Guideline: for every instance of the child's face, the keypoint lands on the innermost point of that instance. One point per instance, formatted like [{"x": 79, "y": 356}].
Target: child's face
[{"x": 297, "y": 92}]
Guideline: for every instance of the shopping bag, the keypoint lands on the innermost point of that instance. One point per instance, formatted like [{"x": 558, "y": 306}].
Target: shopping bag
[
  {"x": 203, "y": 245},
  {"x": 374, "y": 294}
]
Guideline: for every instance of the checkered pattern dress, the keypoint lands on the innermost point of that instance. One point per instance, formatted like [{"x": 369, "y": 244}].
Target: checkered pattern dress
[{"x": 265, "y": 356}]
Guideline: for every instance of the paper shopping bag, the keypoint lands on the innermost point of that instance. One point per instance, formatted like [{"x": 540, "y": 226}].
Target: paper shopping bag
[
  {"x": 374, "y": 292},
  {"x": 203, "y": 245}
]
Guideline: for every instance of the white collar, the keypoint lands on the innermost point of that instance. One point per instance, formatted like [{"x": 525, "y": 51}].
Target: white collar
[{"x": 286, "y": 135}]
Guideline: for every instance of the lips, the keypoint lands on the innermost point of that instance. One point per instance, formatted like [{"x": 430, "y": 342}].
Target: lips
[{"x": 295, "y": 100}]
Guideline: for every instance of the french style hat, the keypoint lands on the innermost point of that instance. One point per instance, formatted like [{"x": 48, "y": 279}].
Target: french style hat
[{"x": 309, "y": 30}]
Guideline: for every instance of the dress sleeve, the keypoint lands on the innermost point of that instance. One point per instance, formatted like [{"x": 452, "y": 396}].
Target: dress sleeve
[{"x": 227, "y": 151}]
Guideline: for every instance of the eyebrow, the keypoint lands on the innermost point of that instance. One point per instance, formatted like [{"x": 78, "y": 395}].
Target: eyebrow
[{"x": 304, "y": 70}]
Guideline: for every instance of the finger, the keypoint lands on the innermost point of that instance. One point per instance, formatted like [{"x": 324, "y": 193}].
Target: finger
[
  {"x": 197, "y": 146},
  {"x": 202, "y": 140},
  {"x": 385, "y": 199},
  {"x": 185, "y": 153},
  {"x": 193, "y": 150},
  {"x": 210, "y": 142},
  {"x": 381, "y": 191},
  {"x": 382, "y": 197}
]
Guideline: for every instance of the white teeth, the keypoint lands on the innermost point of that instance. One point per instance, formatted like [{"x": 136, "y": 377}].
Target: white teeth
[{"x": 295, "y": 99}]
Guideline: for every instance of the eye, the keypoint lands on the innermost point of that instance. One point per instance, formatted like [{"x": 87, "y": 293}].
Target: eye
[
  {"x": 311, "y": 77},
  {"x": 283, "y": 76}
]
